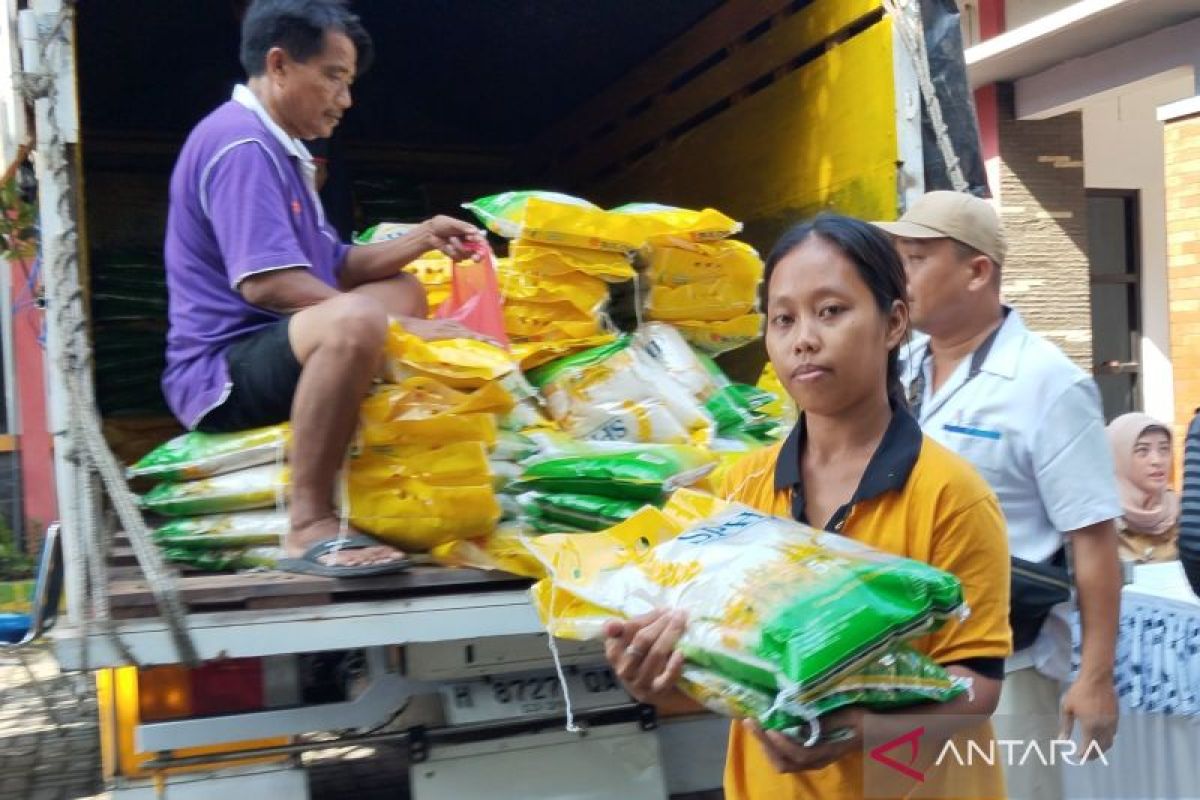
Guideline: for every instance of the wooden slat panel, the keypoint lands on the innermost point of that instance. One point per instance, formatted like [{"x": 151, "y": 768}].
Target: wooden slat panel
[
  {"x": 822, "y": 136},
  {"x": 133, "y": 598},
  {"x": 785, "y": 41},
  {"x": 728, "y": 21}
]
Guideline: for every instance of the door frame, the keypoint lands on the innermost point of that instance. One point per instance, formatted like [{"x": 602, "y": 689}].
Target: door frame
[{"x": 1133, "y": 256}]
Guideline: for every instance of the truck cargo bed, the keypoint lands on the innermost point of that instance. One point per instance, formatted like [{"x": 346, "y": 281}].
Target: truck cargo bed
[{"x": 131, "y": 597}]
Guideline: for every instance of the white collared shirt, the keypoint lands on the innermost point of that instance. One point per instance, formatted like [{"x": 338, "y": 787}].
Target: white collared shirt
[
  {"x": 1030, "y": 421},
  {"x": 293, "y": 146}
]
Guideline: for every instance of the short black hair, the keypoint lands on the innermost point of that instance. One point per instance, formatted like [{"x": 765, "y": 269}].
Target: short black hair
[
  {"x": 299, "y": 27},
  {"x": 873, "y": 255}
]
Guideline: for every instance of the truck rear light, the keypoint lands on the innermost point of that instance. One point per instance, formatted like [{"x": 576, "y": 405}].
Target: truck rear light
[
  {"x": 164, "y": 693},
  {"x": 227, "y": 686}
]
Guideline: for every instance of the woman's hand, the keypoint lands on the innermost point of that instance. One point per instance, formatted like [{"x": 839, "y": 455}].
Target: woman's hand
[
  {"x": 643, "y": 655},
  {"x": 841, "y": 733}
]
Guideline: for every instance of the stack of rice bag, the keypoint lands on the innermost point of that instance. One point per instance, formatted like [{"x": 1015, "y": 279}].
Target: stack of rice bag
[
  {"x": 420, "y": 472},
  {"x": 423, "y": 474},
  {"x": 785, "y": 623},
  {"x": 555, "y": 281},
  {"x": 223, "y": 496},
  {"x": 708, "y": 290},
  {"x": 588, "y": 486}
]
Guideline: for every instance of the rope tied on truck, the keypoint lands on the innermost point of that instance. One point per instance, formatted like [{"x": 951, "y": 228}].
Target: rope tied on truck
[
  {"x": 906, "y": 15},
  {"x": 80, "y": 433}
]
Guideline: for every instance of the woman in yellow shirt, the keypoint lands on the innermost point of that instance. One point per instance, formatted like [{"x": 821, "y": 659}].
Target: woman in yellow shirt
[{"x": 856, "y": 463}]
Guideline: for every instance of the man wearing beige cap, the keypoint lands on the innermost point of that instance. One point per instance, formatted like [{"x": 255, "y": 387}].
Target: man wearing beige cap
[{"x": 1030, "y": 421}]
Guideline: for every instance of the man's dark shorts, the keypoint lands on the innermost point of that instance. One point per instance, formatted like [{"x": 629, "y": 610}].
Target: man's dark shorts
[{"x": 264, "y": 373}]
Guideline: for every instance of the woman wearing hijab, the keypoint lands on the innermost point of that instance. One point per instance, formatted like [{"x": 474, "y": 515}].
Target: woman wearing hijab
[{"x": 1142, "y": 453}]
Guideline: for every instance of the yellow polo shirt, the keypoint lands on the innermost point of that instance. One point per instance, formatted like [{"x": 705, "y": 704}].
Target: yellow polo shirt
[{"x": 916, "y": 499}]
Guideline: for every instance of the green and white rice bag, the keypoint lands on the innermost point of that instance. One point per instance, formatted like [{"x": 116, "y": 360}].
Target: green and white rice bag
[{"x": 196, "y": 455}]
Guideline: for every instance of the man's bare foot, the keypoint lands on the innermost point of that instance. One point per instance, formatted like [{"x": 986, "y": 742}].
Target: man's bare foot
[{"x": 305, "y": 535}]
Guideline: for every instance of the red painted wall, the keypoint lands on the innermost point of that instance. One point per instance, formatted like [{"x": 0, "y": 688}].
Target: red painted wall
[
  {"x": 991, "y": 23},
  {"x": 36, "y": 447}
]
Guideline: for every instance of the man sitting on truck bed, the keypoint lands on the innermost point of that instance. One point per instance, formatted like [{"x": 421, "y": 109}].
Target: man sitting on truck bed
[{"x": 271, "y": 316}]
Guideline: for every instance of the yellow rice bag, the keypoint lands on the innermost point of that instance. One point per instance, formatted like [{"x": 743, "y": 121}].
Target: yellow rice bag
[
  {"x": 441, "y": 429},
  {"x": 504, "y": 549},
  {"x": 460, "y": 363},
  {"x": 583, "y": 292},
  {"x": 523, "y": 319},
  {"x": 533, "y": 258},
  {"x": 432, "y": 269},
  {"x": 702, "y": 302},
  {"x": 715, "y": 338},
  {"x": 417, "y": 516},
  {"x": 654, "y": 221},
  {"x": 423, "y": 397},
  {"x": 560, "y": 219},
  {"x": 703, "y": 263},
  {"x": 533, "y": 353},
  {"x": 453, "y": 464},
  {"x": 537, "y": 328}
]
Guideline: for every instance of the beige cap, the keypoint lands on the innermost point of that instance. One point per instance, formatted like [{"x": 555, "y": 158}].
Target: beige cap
[{"x": 953, "y": 215}]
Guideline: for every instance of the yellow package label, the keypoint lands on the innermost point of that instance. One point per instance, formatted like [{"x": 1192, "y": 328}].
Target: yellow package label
[
  {"x": 417, "y": 516},
  {"x": 455, "y": 464},
  {"x": 583, "y": 292},
  {"x": 532, "y": 354},
  {"x": 434, "y": 430},
  {"x": 532, "y": 258},
  {"x": 715, "y": 338},
  {"x": 702, "y": 302},
  {"x": 704, "y": 263},
  {"x": 461, "y": 363}
]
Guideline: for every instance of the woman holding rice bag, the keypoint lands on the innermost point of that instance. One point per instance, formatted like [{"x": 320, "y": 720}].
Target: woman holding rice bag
[{"x": 856, "y": 463}]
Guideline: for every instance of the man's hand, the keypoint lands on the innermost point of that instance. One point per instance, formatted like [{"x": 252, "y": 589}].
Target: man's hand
[
  {"x": 1093, "y": 704},
  {"x": 841, "y": 733},
  {"x": 457, "y": 239},
  {"x": 643, "y": 655}
]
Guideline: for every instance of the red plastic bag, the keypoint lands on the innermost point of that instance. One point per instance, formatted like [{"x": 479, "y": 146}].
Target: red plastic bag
[{"x": 475, "y": 295}]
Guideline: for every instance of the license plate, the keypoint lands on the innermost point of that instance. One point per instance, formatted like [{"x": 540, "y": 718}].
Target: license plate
[{"x": 530, "y": 694}]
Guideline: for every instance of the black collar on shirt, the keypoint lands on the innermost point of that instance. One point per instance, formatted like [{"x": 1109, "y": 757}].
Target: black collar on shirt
[{"x": 888, "y": 470}]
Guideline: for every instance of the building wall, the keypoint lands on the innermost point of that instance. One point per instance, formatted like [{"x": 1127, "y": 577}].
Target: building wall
[
  {"x": 1181, "y": 147},
  {"x": 1044, "y": 210},
  {"x": 1123, "y": 149},
  {"x": 1022, "y": 12}
]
